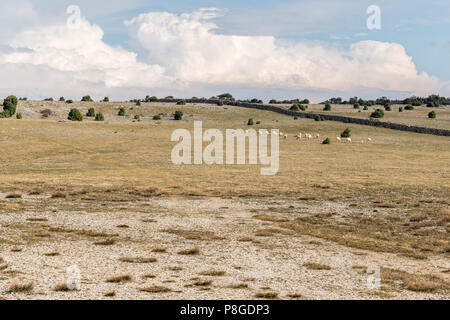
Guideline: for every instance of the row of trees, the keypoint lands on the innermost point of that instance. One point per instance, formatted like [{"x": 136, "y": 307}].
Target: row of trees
[{"x": 430, "y": 101}]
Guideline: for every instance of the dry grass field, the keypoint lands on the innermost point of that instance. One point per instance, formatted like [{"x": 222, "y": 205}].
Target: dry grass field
[{"x": 105, "y": 196}]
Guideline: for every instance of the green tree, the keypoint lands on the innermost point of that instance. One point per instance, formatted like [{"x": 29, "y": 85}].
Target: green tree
[
  {"x": 122, "y": 112},
  {"x": 9, "y": 106},
  {"x": 87, "y": 99},
  {"x": 178, "y": 115},
  {"x": 432, "y": 115},
  {"x": 346, "y": 133},
  {"x": 75, "y": 115},
  {"x": 91, "y": 112},
  {"x": 379, "y": 113},
  {"x": 327, "y": 107},
  {"x": 99, "y": 117}
]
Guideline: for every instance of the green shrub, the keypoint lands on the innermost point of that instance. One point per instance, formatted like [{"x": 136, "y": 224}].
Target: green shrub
[
  {"x": 69, "y": 101},
  {"x": 178, "y": 115},
  {"x": 75, "y": 115},
  {"x": 346, "y": 133},
  {"x": 122, "y": 112},
  {"x": 326, "y": 141},
  {"x": 327, "y": 107},
  {"x": 432, "y": 115},
  {"x": 48, "y": 99},
  {"x": 99, "y": 117},
  {"x": 9, "y": 106},
  {"x": 258, "y": 122},
  {"x": 18, "y": 116},
  {"x": 181, "y": 103},
  {"x": 295, "y": 118},
  {"x": 379, "y": 113},
  {"x": 105, "y": 99},
  {"x": 295, "y": 107},
  {"x": 250, "y": 122},
  {"x": 138, "y": 103},
  {"x": 387, "y": 108},
  {"x": 157, "y": 117},
  {"x": 356, "y": 106},
  {"x": 91, "y": 112},
  {"x": 87, "y": 99},
  {"x": 366, "y": 108},
  {"x": 220, "y": 103},
  {"x": 62, "y": 99},
  {"x": 137, "y": 117},
  {"x": 400, "y": 109},
  {"x": 317, "y": 118},
  {"x": 409, "y": 107}
]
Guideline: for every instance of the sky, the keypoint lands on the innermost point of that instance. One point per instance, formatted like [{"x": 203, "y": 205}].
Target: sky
[{"x": 313, "y": 49}]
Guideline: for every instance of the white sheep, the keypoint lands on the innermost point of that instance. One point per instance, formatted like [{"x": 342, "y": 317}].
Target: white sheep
[
  {"x": 338, "y": 139},
  {"x": 349, "y": 140}
]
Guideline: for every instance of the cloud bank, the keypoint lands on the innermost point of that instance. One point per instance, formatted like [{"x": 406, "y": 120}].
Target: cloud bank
[{"x": 185, "y": 54}]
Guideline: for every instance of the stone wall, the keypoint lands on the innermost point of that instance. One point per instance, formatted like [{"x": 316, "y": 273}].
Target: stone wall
[{"x": 329, "y": 117}]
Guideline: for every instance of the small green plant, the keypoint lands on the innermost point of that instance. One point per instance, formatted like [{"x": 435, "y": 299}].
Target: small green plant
[
  {"x": 18, "y": 116},
  {"x": 387, "y": 108},
  {"x": 400, "y": 109},
  {"x": 48, "y": 99},
  {"x": 157, "y": 117},
  {"x": 356, "y": 106},
  {"x": 181, "y": 103},
  {"x": 326, "y": 141},
  {"x": 75, "y": 115},
  {"x": 220, "y": 103},
  {"x": 250, "y": 122},
  {"x": 137, "y": 117},
  {"x": 69, "y": 101},
  {"x": 379, "y": 113},
  {"x": 87, "y": 99},
  {"x": 105, "y": 99},
  {"x": 295, "y": 107},
  {"x": 317, "y": 118},
  {"x": 91, "y": 112},
  {"x": 122, "y": 112},
  {"x": 62, "y": 99},
  {"x": 9, "y": 106},
  {"x": 138, "y": 103},
  {"x": 99, "y": 117},
  {"x": 178, "y": 115},
  {"x": 432, "y": 115},
  {"x": 258, "y": 122},
  {"x": 409, "y": 107},
  {"x": 346, "y": 133},
  {"x": 366, "y": 108},
  {"x": 327, "y": 107},
  {"x": 295, "y": 118}
]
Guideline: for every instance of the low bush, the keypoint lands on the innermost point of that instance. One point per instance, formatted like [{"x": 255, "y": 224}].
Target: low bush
[
  {"x": 157, "y": 117},
  {"x": 379, "y": 113},
  {"x": 19, "y": 116},
  {"x": 327, "y": 107},
  {"x": 250, "y": 122},
  {"x": 122, "y": 112},
  {"x": 75, "y": 115},
  {"x": 178, "y": 115},
  {"x": 432, "y": 115},
  {"x": 346, "y": 133},
  {"x": 181, "y": 103},
  {"x": 326, "y": 141},
  {"x": 99, "y": 117},
  {"x": 91, "y": 112}
]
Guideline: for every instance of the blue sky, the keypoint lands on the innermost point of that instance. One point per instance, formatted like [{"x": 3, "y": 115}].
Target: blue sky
[{"x": 421, "y": 28}]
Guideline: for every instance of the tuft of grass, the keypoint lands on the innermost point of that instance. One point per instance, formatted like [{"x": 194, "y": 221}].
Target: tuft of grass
[
  {"x": 123, "y": 226},
  {"x": 51, "y": 254},
  {"x": 213, "y": 273},
  {"x": 16, "y": 249},
  {"x": 202, "y": 283},
  {"x": 58, "y": 195},
  {"x": 120, "y": 279},
  {"x": 159, "y": 250},
  {"x": 149, "y": 276},
  {"x": 62, "y": 287},
  {"x": 37, "y": 219},
  {"x": 13, "y": 196},
  {"x": 266, "y": 295},
  {"x": 295, "y": 295},
  {"x": 422, "y": 285},
  {"x": 316, "y": 266},
  {"x": 155, "y": 289},
  {"x": 175, "y": 268},
  {"x": 17, "y": 287},
  {"x": 190, "y": 252},
  {"x": 110, "y": 294},
  {"x": 108, "y": 242},
  {"x": 241, "y": 285},
  {"x": 137, "y": 260}
]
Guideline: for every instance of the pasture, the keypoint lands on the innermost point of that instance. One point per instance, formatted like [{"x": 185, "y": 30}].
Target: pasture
[{"x": 106, "y": 197}]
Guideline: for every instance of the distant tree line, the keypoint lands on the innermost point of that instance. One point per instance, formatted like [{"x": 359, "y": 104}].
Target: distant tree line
[{"x": 430, "y": 101}]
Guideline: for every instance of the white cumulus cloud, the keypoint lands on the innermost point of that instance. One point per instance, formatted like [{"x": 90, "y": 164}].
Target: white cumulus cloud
[{"x": 185, "y": 53}]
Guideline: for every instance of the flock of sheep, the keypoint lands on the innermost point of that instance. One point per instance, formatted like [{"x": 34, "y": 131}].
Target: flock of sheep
[{"x": 309, "y": 136}]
